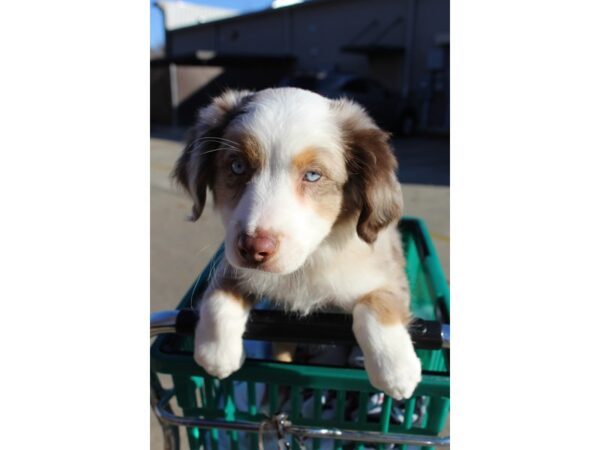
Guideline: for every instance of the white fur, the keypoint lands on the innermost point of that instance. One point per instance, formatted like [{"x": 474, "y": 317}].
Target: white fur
[
  {"x": 390, "y": 359},
  {"x": 218, "y": 338},
  {"x": 286, "y": 122},
  {"x": 269, "y": 203},
  {"x": 330, "y": 277}
]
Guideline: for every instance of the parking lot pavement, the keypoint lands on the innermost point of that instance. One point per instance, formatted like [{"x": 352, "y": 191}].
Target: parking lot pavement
[{"x": 179, "y": 249}]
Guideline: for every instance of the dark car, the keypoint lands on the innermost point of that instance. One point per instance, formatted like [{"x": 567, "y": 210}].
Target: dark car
[{"x": 388, "y": 109}]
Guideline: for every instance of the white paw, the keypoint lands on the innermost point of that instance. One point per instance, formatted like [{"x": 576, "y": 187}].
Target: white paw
[
  {"x": 218, "y": 345},
  {"x": 220, "y": 358},
  {"x": 389, "y": 355},
  {"x": 397, "y": 375}
]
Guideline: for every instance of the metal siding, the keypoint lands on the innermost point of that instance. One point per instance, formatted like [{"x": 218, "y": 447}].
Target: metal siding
[
  {"x": 321, "y": 29},
  {"x": 315, "y": 32},
  {"x": 432, "y": 18},
  {"x": 264, "y": 35},
  {"x": 188, "y": 41}
]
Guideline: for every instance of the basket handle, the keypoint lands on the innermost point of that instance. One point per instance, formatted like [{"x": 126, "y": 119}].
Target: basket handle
[{"x": 277, "y": 326}]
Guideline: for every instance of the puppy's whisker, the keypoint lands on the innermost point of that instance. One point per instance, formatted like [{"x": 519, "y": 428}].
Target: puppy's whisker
[
  {"x": 203, "y": 249},
  {"x": 222, "y": 145},
  {"x": 233, "y": 149},
  {"x": 216, "y": 138},
  {"x": 221, "y": 149}
]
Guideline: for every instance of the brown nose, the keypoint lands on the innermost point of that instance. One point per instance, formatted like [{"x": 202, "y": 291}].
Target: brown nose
[{"x": 258, "y": 248}]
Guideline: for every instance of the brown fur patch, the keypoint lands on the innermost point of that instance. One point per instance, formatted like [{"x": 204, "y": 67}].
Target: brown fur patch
[
  {"x": 195, "y": 168},
  {"x": 372, "y": 192},
  {"x": 324, "y": 162},
  {"x": 305, "y": 159},
  {"x": 228, "y": 186},
  {"x": 387, "y": 306},
  {"x": 325, "y": 195},
  {"x": 249, "y": 149}
]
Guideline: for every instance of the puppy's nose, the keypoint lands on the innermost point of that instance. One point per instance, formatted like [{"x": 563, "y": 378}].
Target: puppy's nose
[{"x": 258, "y": 248}]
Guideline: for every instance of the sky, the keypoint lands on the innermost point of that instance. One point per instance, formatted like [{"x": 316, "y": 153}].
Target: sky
[{"x": 157, "y": 36}]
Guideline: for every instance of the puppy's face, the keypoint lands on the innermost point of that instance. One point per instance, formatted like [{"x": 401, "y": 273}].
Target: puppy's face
[{"x": 285, "y": 166}]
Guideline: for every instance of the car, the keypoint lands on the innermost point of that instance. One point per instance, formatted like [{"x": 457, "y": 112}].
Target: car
[{"x": 389, "y": 109}]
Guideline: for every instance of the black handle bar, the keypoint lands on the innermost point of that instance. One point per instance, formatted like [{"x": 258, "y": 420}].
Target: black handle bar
[{"x": 323, "y": 328}]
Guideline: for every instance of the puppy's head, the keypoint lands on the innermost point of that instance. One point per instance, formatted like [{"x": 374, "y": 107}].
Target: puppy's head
[{"x": 286, "y": 166}]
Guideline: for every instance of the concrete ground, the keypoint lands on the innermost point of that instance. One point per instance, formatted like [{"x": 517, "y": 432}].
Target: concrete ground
[{"x": 179, "y": 250}]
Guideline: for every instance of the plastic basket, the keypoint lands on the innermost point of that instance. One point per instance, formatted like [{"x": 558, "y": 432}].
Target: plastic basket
[{"x": 239, "y": 396}]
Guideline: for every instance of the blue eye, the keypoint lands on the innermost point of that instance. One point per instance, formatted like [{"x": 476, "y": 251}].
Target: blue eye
[
  {"x": 312, "y": 176},
  {"x": 238, "y": 166}
]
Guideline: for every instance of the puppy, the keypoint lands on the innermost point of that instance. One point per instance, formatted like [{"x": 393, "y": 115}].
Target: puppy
[{"x": 307, "y": 192}]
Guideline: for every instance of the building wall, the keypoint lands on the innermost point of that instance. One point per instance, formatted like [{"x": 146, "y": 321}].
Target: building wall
[
  {"x": 314, "y": 33},
  {"x": 160, "y": 95},
  {"x": 432, "y": 18},
  {"x": 320, "y": 30},
  {"x": 262, "y": 35},
  {"x": 196, "y": 85},
  {"x": 430, "y": 74},
  {"x": 188, "y": 41}
]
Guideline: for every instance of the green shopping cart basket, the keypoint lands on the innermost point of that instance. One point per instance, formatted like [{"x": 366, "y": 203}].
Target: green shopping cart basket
[{"x": 319, "y": 407}]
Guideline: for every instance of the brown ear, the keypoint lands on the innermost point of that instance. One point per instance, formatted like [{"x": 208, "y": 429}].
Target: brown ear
[
  {"x": 372, "y": 186},
  {"x": 194, "y": 168},
  {"x": 373, "y": 168}
]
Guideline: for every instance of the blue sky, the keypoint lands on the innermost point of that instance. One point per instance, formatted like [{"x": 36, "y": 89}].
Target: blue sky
[{"x": 156, "y": 25}]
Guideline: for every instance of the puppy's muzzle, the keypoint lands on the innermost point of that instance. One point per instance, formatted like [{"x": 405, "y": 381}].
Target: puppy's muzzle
[{"x": 257, "y": 249}]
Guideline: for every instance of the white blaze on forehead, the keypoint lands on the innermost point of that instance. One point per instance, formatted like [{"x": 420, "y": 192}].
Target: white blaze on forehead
[
  {"x": 286, "y": 121},
  {"x": 270, "y": 202},
  {"x": 270, "y": 199},
  {"x": 283, "y": 122}
]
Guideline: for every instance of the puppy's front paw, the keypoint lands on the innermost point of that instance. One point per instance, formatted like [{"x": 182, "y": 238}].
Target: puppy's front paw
[
  {"x": 221, "y": 358},
  {"x": 219, "y": 347},
  {"x": 390, "y": 358},
  {"x": 396, "y": 374}
]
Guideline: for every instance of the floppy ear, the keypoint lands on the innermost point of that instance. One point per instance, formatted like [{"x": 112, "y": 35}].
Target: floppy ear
[
  {"x": 194, "y": 169},
  {"x": 374, "y": 166},
  {"x": 372, "y": 186}
]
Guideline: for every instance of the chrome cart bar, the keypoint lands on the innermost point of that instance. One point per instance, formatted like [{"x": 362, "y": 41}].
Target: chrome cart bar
[{"x": 300, "y": 432}]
